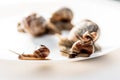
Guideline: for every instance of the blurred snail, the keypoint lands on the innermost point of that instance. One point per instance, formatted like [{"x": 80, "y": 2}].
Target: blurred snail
[
  {"x": 52, "y": 29},
  {"x": 81, "y": 49},
  {"x": 39, "y": 54},
  {"x": 37, "y": 25},
  {"x": 86, "y": 30},
  {"x": 64, "y": 44},
  {"x": 33, "y": 24},
  {"x": 80, "y": 41},
  {"x": 61, "y": 20}
]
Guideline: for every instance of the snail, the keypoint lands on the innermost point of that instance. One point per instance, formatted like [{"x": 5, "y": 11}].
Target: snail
[
  {"x": 82, "y": 49},
  {"x": 61, "y": 19},
  {"x": 85, "y": 36},
  {"x": 85, "y": 30},
  {"x": 39, "y": 54},
  {"x": 33, "y": 24}
]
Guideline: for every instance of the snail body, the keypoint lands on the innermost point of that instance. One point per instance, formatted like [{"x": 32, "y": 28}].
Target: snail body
[{"x": 39, "y": 54}]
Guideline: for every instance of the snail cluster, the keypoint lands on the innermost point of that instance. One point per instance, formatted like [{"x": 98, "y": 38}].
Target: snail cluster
[
  {"x": 81, "y": 40},
  {"x": 79, "y": 43},
  {"x": 37, "y": 25}
]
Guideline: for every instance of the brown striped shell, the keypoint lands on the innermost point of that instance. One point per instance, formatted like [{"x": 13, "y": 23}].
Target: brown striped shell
[
  {"x": 39, "y": 54},
  {"x": 81, "y": 49},
  {"x": 33, "y": 24},
  {"x": 42, "y": 52}
]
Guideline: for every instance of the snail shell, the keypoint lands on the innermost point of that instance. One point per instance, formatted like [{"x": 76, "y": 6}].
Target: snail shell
[
  {"x": 62, "y": 19},
  {"x": 86, "y": 27},
  {"x": 81, "y": 49},
  {"x": 33, "y": 24},
  {"x": 42, "y": 52},
  {"x": 39, "y": 54}
]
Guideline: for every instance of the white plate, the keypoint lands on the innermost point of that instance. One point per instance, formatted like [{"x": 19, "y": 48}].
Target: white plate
[{"x": 20, "y": 42}]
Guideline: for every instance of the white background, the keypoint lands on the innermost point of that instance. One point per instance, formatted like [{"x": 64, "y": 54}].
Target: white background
[{"x": 106, "y": 13}]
